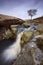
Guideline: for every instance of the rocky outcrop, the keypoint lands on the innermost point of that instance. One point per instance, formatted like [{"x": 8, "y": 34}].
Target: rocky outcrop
[
  {"x": 5, "y": 25},
  {"x": 26, "y": 25},
  {"x": 26, "y": 38}
]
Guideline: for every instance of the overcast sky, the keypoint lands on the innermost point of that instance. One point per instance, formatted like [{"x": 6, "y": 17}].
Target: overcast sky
[{"x": 19, "y": 8}]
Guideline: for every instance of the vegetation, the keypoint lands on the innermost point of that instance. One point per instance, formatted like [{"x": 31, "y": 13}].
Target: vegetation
[
  {"x": 32, "y": 12},
  {"x": 26, "y": 38},
  {"x": 26, "y": 25},
  {"x": 8, "y": 34}
]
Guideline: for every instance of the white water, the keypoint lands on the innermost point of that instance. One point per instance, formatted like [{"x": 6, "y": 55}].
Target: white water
[
  {"x": 12, "y": 51},
  {"x": 39, "y": 36}
]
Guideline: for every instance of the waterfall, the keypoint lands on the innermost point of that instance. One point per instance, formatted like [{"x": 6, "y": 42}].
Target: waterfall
[{"x": 12, "y": 51}]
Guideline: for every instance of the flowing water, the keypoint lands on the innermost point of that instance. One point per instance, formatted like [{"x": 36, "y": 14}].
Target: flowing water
[
  {"x": 10, "y": 49},
  {"x": 9, "y": 52}
]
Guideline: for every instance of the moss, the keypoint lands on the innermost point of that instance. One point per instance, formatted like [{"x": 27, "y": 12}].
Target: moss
[
  {"x": 26, "y": 25},
  {"x": 8, "y": 34},
  {"x": 14, "y": 30},
  {"x": 26, "y": 38}
]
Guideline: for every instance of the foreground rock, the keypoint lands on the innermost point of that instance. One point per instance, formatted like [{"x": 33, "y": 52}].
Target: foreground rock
[
  {"x": 8, "y": 33},
  {"x": 26, "y": 37},
  {"x": 24, "y": 58},
  {"x": 14, "y": 28}
]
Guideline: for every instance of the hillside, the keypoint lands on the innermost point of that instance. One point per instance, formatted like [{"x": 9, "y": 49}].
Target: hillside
[
  {"x": 37, "y": 20},
  {"x": 9, "y": 20},
  {"x": 40, "y": 19},
  {"x": 5, "y": 24}
]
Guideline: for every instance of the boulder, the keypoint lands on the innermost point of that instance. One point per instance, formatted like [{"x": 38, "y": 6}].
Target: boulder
[
  {"x": 26, "y": 38},
  {"x": 8, "y": 34},
  {"x": 14, "y": 28},
  {"x": 26, "y": 25}
]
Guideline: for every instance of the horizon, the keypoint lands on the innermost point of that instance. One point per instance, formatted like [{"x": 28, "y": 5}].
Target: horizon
[{"x": 19, "y": 8}]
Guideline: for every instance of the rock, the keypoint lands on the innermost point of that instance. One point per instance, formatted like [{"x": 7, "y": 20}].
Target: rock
[
  {"x": 40, "y": 28},
  {"x": 11, "y": 33},
  {"x": 24, "y": 58},
  {"x": 1, "y": 36},
  {"x": 26, "y": 38},
  {"x": 26, "y": 25},
  {"x": 8, "y": 34},
  {"x": 40, "y": 43},
  {"x": 14, "y": 28},
  {"x": 36, "y": 33}
]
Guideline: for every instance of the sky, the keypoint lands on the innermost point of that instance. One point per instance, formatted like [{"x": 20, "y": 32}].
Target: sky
[{"x": 19, "y": 8}]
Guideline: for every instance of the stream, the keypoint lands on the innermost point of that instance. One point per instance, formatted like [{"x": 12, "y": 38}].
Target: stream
[{"x": 9, "y": 50}]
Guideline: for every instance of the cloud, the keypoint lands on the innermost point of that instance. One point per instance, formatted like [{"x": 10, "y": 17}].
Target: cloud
[
  {"x": 38, "y": 1},
  {"x": 19, "y": 8}
]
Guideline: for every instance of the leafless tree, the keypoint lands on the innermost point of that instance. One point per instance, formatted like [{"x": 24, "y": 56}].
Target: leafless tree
[{"x": 32, "y": 12}]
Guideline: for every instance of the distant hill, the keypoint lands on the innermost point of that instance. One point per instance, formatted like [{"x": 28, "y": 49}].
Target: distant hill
[
  {"x": 6, "y": 20},
  {"x": 9, "y": 20},
  {"x": 3, "y": 17},
  {"x": 40, "y": 19},
  {"x": 37, "y": 20}
]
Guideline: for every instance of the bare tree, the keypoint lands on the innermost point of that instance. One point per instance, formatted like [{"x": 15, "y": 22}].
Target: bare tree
[{"x": 32, "y": 12}]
